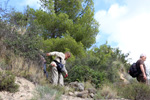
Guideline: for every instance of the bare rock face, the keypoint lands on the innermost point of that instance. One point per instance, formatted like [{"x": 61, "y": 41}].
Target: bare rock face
[{"x": 25, "y": 92}]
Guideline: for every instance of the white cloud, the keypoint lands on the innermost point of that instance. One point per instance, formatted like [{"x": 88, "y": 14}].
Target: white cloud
[
  {"x": 98, "y": 36},
  {"x": 32, "y": 3},
  {"x": 128, "y": 25}
]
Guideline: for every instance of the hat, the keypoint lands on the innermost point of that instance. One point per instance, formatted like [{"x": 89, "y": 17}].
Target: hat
[{"x": 142, "y": 55}]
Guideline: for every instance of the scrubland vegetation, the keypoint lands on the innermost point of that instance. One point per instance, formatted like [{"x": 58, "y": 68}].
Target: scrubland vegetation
[{"x": 62, "y": 28}]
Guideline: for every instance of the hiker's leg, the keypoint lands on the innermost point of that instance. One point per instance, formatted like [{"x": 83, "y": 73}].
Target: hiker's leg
[
  {"x": 45, "y": 72},
  {"x": 61, "y": 79},
  {"x": 141, "y": 79},
  {"x": 54, "y": 77}
]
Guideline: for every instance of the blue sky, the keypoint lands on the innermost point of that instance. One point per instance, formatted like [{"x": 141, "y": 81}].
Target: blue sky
[
  {"x": 105, "y": 4},
  {"x": 123, "y": 23}
]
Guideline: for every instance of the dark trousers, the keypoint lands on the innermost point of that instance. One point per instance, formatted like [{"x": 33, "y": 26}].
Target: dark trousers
[
  {"x": 44, "y": 69},
  {"x": 141, "y": 79}
]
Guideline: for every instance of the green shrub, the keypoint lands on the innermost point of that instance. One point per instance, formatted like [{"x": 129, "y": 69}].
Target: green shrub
[
  {"x": 22, "y": 41},
  {"x": 7, "y": 82},
  {"x": 136, "y": 91},
  {"x": 27, "y": 49},
  {"x": 84, "y": 73}
]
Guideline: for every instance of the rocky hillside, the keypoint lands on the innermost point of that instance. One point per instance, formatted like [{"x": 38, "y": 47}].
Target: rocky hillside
[{"x": 26, "y": 89}]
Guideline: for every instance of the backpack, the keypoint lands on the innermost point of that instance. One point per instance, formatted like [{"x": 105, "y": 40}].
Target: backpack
[
  {"x": 133, "y": 71},
  {"x": 59, "y": 65}
]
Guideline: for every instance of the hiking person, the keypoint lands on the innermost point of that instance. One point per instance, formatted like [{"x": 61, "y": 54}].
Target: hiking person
[
  {"x": 43, "y": 63},
  {"x": 142, "y": 77},
  {"x": 57, "y": 74}
]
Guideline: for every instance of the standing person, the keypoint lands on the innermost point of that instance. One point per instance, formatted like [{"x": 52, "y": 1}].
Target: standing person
[
  {"x": 142, "y": 77},
  {"x": 57, "y": 77}
]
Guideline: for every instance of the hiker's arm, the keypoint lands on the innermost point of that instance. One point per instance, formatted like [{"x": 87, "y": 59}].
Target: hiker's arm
[
  {"x": 65, "y": 71},
  {"x": 52, "y": 53},
  {"x": 143, "y": 71},
  {"x": 55, "y": 53}
]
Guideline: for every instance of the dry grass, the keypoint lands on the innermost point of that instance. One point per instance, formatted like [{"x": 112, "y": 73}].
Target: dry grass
[
  {"x": 48, "y": 93},
  {"x": 27, "y": 69},
  {"x": 20, "y": 66},
  {"x": 106, "y": 92},
  {"x": 88, "y": 85},
  {"x": 2, "y": 48}
]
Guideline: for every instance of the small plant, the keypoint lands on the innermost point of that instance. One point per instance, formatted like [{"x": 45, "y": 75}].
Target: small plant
[
  {"x": 88, "y": 85},
  {"x": 47, "y": 93},
  {"x": 106, "y": 92},
  {"x": 7, "y": 82}
]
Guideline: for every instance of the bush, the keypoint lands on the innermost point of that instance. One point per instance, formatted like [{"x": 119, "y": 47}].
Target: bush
[
  {"x": 67, "y": 43},
  {"x": 84, "y": 73},
  {"x": 7, "y": 82},
  {"x": 23, "y": 41},
  {"x": 136, "y": 91},
  {"x": 27, "y": 49}
]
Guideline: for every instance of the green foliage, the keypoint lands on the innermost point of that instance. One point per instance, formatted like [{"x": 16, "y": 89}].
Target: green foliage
[
  {"x": 66, "y": 43},
  {"x": 75, "y": 18},
  {"x": 108, "y": 60},
  {"x": 18, "y": 18},
  {"x": 26, "y": 49},
  {"x": 23, "y": 42},
  {"x": 5, "y": 30},
  {"x": 54, "y": 26},
  {"x": 102, "y": 60},
  {"x": 64, "y": 26},
  {"x": 135, "y": 91},
  {"x": 84, "y": 73},
  {"x": 7, "y": 82}
]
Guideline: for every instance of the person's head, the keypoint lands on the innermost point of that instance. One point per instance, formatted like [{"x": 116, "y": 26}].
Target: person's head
[
  {"x": 67, "y": 55},
  {"x": 143, "y": 57}
]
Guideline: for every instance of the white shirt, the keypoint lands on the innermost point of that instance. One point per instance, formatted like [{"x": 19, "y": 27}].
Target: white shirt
[{"x": 57, "y": 58}]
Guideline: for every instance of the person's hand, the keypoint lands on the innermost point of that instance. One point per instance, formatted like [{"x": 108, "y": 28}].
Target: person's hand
[
  {"x": 52, "y": 64},
  {"x": 47, "y": 54},
  {"x": 66, "y": 75},
  {"x": 144, "y": 76}
]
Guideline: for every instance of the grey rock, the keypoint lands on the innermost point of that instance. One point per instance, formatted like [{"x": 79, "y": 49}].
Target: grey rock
[
  {"x": 92, "y": 90},
  {"x": 77, "y": 86},
  {"x": 92, "y": 95},
  {"x": 83, "y": 94}
]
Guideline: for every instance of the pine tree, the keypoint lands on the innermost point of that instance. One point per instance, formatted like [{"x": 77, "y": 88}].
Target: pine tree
[{"x": 73, "y": 17}]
